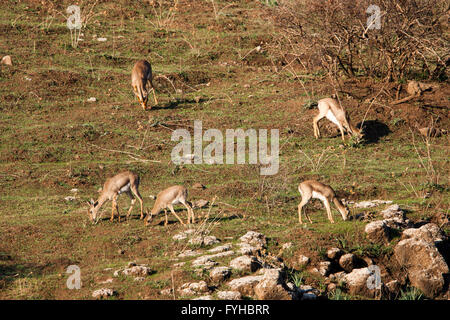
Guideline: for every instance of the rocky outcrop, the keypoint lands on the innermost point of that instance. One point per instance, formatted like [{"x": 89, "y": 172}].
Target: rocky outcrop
[{"x": 424, "y": 264}]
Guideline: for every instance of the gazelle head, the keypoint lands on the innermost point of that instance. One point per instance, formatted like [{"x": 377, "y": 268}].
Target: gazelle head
[{"x": 92, "y": 210}]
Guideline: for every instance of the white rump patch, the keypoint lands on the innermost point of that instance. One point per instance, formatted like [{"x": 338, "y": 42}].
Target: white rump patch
[
  {"x": 125, "y": 188},
  {"x": 330, "y": 116},
  {"x": 317, "y": 195}
]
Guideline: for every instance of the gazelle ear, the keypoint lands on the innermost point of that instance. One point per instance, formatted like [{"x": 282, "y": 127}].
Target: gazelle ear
[{"x": 88, "y": 203}]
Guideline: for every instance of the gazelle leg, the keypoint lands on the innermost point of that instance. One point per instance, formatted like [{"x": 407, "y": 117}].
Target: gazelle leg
[
  {"x": 173, "y": 211},
  {"x": 307, "y": 217},
  {"x": 133, "y": 200},
  {"x": 341, "y": 128},
  {"x": 327, "y": 206},
  {"x": 154, "y": 93},
  {"x": 191, "y": 218},
  {"x": 112, "y": 210},
  {"x": 305, "y": 199},
  {"x": 166, "y": 222},
  {"x": 316, "y": 125},
  {"x": 139, "y": 197},
  {"x": 300, "y": 206}
]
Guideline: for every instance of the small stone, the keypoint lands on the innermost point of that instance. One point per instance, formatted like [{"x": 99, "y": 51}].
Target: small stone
[
  {"x": 139, "y": 279},
  {"x": 92, "y": 99},
  {"x": 103, "y": 293},
  {"x": 109, "y": 280},
  {"x": 254, "y": 238},
  {"x": 287, "y": 245},
  {"x": 208, "y": 297},
  {"x": 229, "y": 295},
  {"x": 102, "y": 39},
  {"x": 198, "y": 186},
  {"x": 334, "y": 253},
  {"x": 223, "y": 248},
  {"x": 347, "y": 262},
  {"x": 219, "y": 274},
  {"x": 324, "y": 268},
  {"x": 7, "y": 60},
  {"x": 166, "y": 292},
  {"x": 193, "y": 288},
  {"x": 137, "y": 271},
  {"x": 198, "y": 204},
  {"x": 189, "y": 253},
  {"x": 245, "y": 285},
  {"x": 303, "y": 261},
  {"x": 245, "y": 263}
]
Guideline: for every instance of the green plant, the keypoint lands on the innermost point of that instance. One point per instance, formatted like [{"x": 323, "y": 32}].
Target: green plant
[
  {"x": 411, "y": 293},
  {"x": 338, "y": 294}
]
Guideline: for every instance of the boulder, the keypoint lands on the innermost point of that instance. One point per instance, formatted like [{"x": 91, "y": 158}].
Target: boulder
[
  {"x": 272, "y": 286},
  {"x": 347, "y": 262},
  {"x": 378, "y": 232},
  {"x": 356, "y": 282},
  {"x": 219, "y": 274},
  {"x": 424, "y": 265},
  {"x": 229, "y": 295},
  {"x": 429, "y": 232},
  {"x": 245, "y": 263},
  {"x": 325, "y": 268},
  {"x": 245, "y": 285}
]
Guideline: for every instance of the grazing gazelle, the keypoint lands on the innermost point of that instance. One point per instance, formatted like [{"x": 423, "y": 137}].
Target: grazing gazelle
[
  {"x": 331, "y": 109},
  {"x": 124, "y": 182},
  {"x": 140, "y": 75},
  {"x": 169, "y": 197},
  {"x": 314, "y": 189}
]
